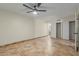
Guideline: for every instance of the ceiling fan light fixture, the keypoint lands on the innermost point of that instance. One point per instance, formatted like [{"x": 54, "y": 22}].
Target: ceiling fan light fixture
[{"x": 35, "y": 13}]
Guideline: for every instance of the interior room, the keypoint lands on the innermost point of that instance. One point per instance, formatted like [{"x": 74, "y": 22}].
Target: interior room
[{"x": 39, "y": 29}]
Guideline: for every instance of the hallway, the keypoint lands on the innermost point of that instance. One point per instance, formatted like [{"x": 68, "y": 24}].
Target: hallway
[{"x": 43, "y": 46}]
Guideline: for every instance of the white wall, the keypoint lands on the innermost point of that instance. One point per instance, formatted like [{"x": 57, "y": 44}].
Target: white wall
[
  {"x": 65, "y": 30},
  {"x": 66, "y": 26},
  {"x": 64, "y": 23},
  {"x": 41, "y": 28},
  {"x": 53, "y": 28},
  {"x": 52, "y": 21},
  {"x": 15, "y": 27}
]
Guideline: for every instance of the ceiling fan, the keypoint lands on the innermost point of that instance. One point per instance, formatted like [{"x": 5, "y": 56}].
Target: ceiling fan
[{"x": 35, "y": 8}]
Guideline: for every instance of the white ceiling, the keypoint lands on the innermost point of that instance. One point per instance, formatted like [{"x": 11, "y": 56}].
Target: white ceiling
[{"x": 54, "y": 9}]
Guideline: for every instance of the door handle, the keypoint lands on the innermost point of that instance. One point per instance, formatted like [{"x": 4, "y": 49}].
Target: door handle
[{"x": 75, "y": 33}]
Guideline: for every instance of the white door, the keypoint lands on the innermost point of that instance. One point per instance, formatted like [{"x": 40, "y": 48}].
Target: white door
[{"x": 77, "y": 36}]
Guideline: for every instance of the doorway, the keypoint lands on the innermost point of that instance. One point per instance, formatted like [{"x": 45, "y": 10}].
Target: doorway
[
  {"x": 49, "y": 28},
  {"x": 72, "y": 31},
  {"x": 58, "y": 30}
]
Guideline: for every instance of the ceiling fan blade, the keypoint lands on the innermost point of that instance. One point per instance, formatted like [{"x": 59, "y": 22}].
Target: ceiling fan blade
[
  {"x": 39, "y": 4},
  {"x": 42, "y": 10},
  {"x": 29, "y": 11},
  {"x": 27, "y": 6}
]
